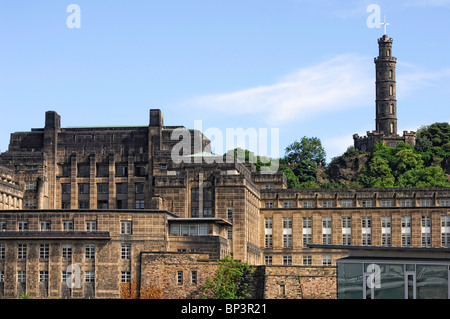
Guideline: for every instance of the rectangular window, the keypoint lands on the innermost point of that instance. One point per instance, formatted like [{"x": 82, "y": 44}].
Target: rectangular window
[
  {"x": 287, "y": 260},
  {"x": 91, "y": 225},
  {"x": 139, "y": 188},
  {"x": 287, "y": 232},
  {"x": 83, "y": 188},
  {"x": 268, "y": 260},
  {"x": 102, "y": 188},
  {"x": 22, "y": 225},
  {"x": 346, "y": 230},
  {"x": 125, "y": 251},
  {"x": 406, "y": 231},
  {"x": 83, "y": 204},
  {"x": 326, "y": 230},
  {"x": 326, "y": 260},
  {"x": 43, "y": 276},
  {"x": 89, "y": 250},
  {"x": 180, "y": 277},
  {"x": 445, "y": 231},
  {"x": 139, "y": 204},
  {"x": 366, "y": 231},
  {"x": 385, "y": 203},
  {"x": 21, "y": 276},
  {"x": 307, "y": 204},
  {"x": 139, "y": 170},
  {"x": 89, "y": 276},
  {"x": 425, "y": 202},
  {"x": 44, "y": 251},
  {"x": 125, "y": 227},
  {"x": 2, "y": 251},
  {"x": 346, "y": 203},
  {"x": 102, "y": 170},
  {"x": 405, "y": 203},
  {"x": 269, "y": 204},
  {"x": 65, "y": 188},
  {"x": 307, "y": 231},
  {"x": 67, "y": 251},
  {"x": 66, "y": 171},
  {"x": 194, "y": 277},
  {"x": 22, "y": 251},
  {"x": 84, "y": 171},
  {"x": 268, "y": 232},
  {"x": 67, "y": 225},
  {"x": 288, "y": 204},
  {"x": 125, "y": 276},
  {"x": 385, "y": 230},
  {"x": 230, "y": 213},
  {"x": 121, "y": 170},
  {"x": 29, "y": 186},
  {"x": 307, "y": 260},
  {"x": 426, "y": 231},
  {"x": 122, "y": 188},
  {"x": 45, "y": 225},
  {"x": 366, "y": 203},
  {"x": 444, "y": 202},
  {"x": 327, "y": 203}
]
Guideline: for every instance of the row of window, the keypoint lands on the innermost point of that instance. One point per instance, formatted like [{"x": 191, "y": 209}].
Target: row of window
[
  {"x": 102, "y": 188},
  {"x": 366, "y": 231},
  {"x": 44, "y": 251},
  {"x": 346, "y": 203},
  {"x": 104, "y": 204},
  {"x": 89, "y": 276},
  {"x": 67, "y": 225},
  {"x": 84, "y": 170},
  {"x": 306, "y": 260}
]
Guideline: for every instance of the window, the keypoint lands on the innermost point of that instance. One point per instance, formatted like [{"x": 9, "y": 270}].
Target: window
[
  {"x": 287, "y": 232},
  {"x": 269, "y": 204},
  {"x": 366, "y": 231},
  {"x": 43, "y": 276},
  {"x": 366, "y": 203},
  {"x": 125, "y": 251},
  {"x": 44, "y": 251},
  {"x": 91, "y": 225},
  {"x": 89, "y": 250},
  {"x": 21, "y": 276},
  {"x": 102, "y": 170},
  {"x": 268, "y": 260},
  {"x": 425, "y": 202},
  {"x": 139, "y": 204},
  {"x": 22, "y": 225},
  {"x": 67, "y": 251},
  {"x": 83, "y": 204},
  {"x": 287, "y": 260},
  {"x": 444, "y": 202},
  {"x": 230, "y": 213},
  {"x": 125, "y": 227},
  {"x": 102, "y": 204},
  {"x": 66, "y": 171},
  {"x": 405, "y": 203},
  {"x": 29, "y": 186},
  {"x": 83, "y": 188},
  {"x": 269, "y": 186},
  {"x": 89, "y": 276},
  {"x": 326, "y": 260},
  {"x": 385, "y": 203},
  {"x": 426, "y": 231},
  {"x": 194, "y": 277},
  {"x": 385, "y": 230},
  {"x": 139, "y": 188},
  {"x": 122, "y": 170},
  {"x": 180, "y": 277},
  {"x": 307, "y": 260},
  {"x": 327, "y": 203},
  {"x": 307, "y": 231},
  {"x": 307, "y": 204},
  {"x": 125, "y": 276},
  {"x": 445, "y": 231},
  {"x": 102, "y": 188},
  {"x": 268, "y": 232},
  {"x": 22, "y": 251},
  {"x": 287, "y": 204},
  {"x": 346, "y": 203},
  {"x": 121, "y": 204},
  {"x": 139, "y": 170},
  {"x": 2, "y": 276},
  {"x": 391, "y": 90},
  {"x": 84, "y": 171},
  {"x": 326, "y": 230},
  {"x": 65, "y": 188},
  {"x": 2, "y": 251},
  {"x": 346, "y": 230},
  {"x": 122, "y": 188},
  {"x": 67, "y": 225},
  {"x": 406, "y": 231},
  {"x": 45, "y": 225},
  {"x": 2, "y": 224}
]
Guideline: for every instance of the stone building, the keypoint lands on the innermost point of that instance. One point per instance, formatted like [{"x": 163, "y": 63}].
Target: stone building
[
  {"x": 83, "y": 210},
  {"x": 386, "y": 103},
  {"x": 11, "y": 194}
]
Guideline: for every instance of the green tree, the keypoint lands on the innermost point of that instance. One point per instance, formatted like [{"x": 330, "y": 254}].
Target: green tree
[
  {"x": 377, "y": 174},
  {"x": 229, "y": 282},
  {"x": 431, "y": 176},
  {"x": 307, "y": 149},
  {"x": 292, "y": 179}
]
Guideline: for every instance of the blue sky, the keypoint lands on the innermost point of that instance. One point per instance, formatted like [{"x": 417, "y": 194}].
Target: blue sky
[{"x": 304, "y": 67}]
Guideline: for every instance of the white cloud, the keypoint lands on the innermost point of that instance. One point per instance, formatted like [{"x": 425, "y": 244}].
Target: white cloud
[{"x": 337, "y": 84}]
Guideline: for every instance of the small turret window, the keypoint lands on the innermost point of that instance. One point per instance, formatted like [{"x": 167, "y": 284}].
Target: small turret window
[
  {"x": 391, "y": 90},
  {"x": 391, "y": 109},
  {"x": 391, "y": 74}
]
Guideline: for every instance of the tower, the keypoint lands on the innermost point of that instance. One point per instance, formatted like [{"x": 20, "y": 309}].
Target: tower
[{"x": 386, "y": 101}]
